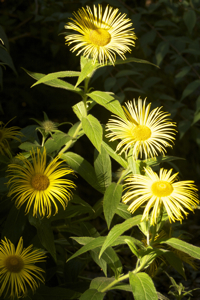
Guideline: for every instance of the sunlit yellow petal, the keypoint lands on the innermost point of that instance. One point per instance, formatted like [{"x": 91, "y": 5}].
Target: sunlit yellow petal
[
  {"x": 101, "y": 35},
  {"x": 158, "y": 192},
  {"x": 18, "y": 271},
  {"x": 40, "y": 186},
  {"x": 144, "y": 132},
  {"x": 7, "y": 134}
]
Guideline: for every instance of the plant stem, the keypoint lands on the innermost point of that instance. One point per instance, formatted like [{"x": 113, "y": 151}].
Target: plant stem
[
  {"x": 68, "y": 144},
  {"x": 115, "y": 282},
  {"x": 120, "y": 279}
]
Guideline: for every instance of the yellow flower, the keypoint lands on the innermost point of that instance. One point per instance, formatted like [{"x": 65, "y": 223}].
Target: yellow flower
[
  {"x": 142, "y": 131},
  {"x": 39, "y": 185},
  {"x": 101, "y": 35},
  {"x": 8, "y": 133},
  {"x": 160, "y": 191},
  {"x": 18, "y": 270}
]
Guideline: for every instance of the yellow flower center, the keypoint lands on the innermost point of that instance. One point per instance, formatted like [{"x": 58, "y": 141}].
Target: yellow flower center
[
  {"x": 141, "y": 132},
  {"x": 100, "y": 37},
  {"x": 161, "y": 188},
  {"x": 14, "y": 263},
  {"x": 40, "y": 182}
]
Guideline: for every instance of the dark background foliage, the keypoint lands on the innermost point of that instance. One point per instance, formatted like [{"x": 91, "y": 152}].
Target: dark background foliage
[{"x": 168, "y": 36}]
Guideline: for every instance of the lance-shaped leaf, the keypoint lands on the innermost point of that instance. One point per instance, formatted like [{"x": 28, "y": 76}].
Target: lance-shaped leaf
[
  {"x": 94, "y": 244},
  {"x": 190, "y": 88},
  {"x": 108, "y": 101},
  {"x": 193, "y": 251},
  {"x": 117, "y": 230},
  {"x": 175, "y": 262},
  {"x": 80, "y": 110},
  {"x": 86, "y": 71},
  {"x": 93, "y": 130},
  {"x": 45, "y": 234},
  {"x": 142, "y": 287},
  {"x": 102, "y": 166},
  {"x": 57, "y": 83},
  {"x": 56, "y": 75},
  {"x": 91, "y": 243},
  {"x": 82, "y": 167},
  {"x": 114, "y": 155},
  {"x": 132, "y": 59},
  {"x": 100, "y": 283},
  {"x": 92, "y": 294},
  {"x": 111, "y": 201}
]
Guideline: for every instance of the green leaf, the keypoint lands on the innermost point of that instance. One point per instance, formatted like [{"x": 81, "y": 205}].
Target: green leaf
[
  {"x": 183, "y": 72},
  {"x": 114, "y": 155},
  {"x": 100, "y": 283},
  {"x": 89, "y": 243},
  {"x": 151, "y": 81},
  {"x": 94, "y": 244},
  {"x": 10, "y": 230},
  {"x": 108, "y": 101},
  {"x": 165, "y": 23},
  {"x": 196, "y": 118},
  {"x": 132, "y": 59},
  {"x": 30, "y": 133},
  {"x": 93, "y": 130},
  {"x": 117, "y": 230},
  {"x": 142, "y": 287},
  {"x": 184, "y": 247},
  {"x": 57, "y": 83},
  {"x": 45, "y": 234},
  {"x": 100, "y": 262},
  {"x": 80, "y": 110},
  {"x": 122, "y": 287},
  {"x": 161, "y": 51},
  {"x": 111, "y": 201},
  {"x": 190, "y": 88},
  {"x": 148, "y": 255},
  {"x": 175, "y": 262},
  {"x": 27, "y": 146},
  {"x": 56, "y": 141},
  {"x": 86, "y": 71},
  {"x": 82, "y": 167},
  {"x": 155, "y": 161},
  {"x": 123, "y": 212},
  {"x": 92, "y": 294},
  {"x": 76, "y": 199},
  {"x": 123, "y": 73},
  {"x": 190, "y": 18},
  {"x": 102, "y": 167},
  {"x": 7, "y": 59},
  {"x": 56, "y": 75},
  {"x": 109, "y": 83},
  {"x": 132, "y": 247},
  {"x": 135, "y": 165},
  {"x": 183, "y": 127}
]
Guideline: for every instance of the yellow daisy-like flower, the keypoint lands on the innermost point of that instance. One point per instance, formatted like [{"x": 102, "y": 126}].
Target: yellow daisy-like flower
[
  {"x": 160, "y": 191},
  {"x": 101, "y": 35},
  {"x": 18, "y": 270},
  {"x": 142, "y": 131},
  {"x": 8, "y": 133},
  {"x": 40, "y": 185}
]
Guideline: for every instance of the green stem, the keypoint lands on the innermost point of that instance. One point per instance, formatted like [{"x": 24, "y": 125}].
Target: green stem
[
  {"x": 120, "y": 279},
  {"x": 68, "y": 144},
  {"x": 86, "y": 81}
]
